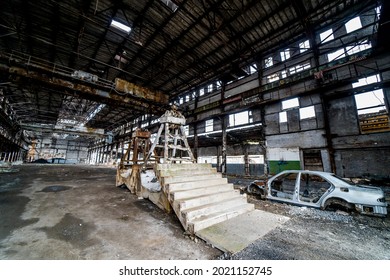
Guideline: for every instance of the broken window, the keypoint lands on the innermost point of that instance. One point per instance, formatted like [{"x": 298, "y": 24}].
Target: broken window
[
  {"x": 287, "y": 104},
  {"x": 299, "y": 68},
  {"x": 307, "y": 112},
  {"x": 326, "y": 36},
  {"x": 268, "y": 62},
  {"x": 304, "y": 46},
  {"x": 210, "y": 88},
  {"x": 283, "y": 117},
  {"x": 359, "y": 47},
  {"x": 209, "y": 126},
  {"x": 371, "y": 108},
  {"x": 370, "y": 102},
  {"x": 284, "y": 55},
  {"x": 367, "y": 80},
  {"x": 252, "y": 69},
  {"x": 273, "y": 78},
  {"x": 290, "y": 103},
  {"x": 240, "y": 118},
  {"x": 336, "y": 55},
  {"x": 201, "y": 92},
  {"x": 353, "y": 24},
  {"x": 170, "y": 5}
]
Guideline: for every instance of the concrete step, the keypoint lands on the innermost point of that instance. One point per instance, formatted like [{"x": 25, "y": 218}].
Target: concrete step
[
  {"x": 218, "y": 217},
  {"x": 196, "y": 212},
  {"x": 190, "y": 178},
  {"x": 183, "y": 166},
  {"x": 199, "y": 191},
  {"x": 186, "y": 172},
  {"x": 183, "y": 204},
  {"x": 193, "y": 185},
  {"x": 199, "y": 195}
]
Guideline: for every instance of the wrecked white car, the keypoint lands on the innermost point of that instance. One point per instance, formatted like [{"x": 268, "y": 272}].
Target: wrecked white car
[{"x": 321, "y": 190}]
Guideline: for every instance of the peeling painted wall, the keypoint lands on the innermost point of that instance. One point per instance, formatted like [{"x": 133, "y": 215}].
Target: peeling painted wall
[{"x": 62, "y": 150}]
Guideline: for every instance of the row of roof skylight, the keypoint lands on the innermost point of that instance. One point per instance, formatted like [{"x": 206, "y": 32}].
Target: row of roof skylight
[
  {"x": 120, "y": 26},
  {"x": 326, "y": 36},
  {"x": 127, "y": 29}
]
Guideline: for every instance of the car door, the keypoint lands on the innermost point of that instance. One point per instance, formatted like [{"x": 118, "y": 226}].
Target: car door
[
  {"x": 311, "y": 188},
  {"x": 283, "y": 187}
]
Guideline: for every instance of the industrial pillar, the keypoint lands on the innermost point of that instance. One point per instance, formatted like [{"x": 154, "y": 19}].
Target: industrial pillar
[
  {"x": 246, "y": 159},
  {"x": 224, "y": 144},
  {"x": 196, "y": 141}
]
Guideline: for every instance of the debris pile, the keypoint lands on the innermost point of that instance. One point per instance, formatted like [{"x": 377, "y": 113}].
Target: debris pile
[{"x": 312, "y": 213}]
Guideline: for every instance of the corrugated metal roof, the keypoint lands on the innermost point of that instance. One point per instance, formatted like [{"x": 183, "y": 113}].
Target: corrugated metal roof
[{"x": 169, "y": 51}]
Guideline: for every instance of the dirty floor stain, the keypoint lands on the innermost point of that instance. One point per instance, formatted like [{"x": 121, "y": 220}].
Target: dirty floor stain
[
  {"x": 55, "y": 189},
  {"x": 12, "y": 207},
  {"x": 73, "y": 230}
]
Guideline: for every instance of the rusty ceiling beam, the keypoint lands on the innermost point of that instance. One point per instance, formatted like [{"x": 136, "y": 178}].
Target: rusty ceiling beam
[
  {"x": 152, "y": 37},
  {"x": 85, "y": 131},
  {"x": 124, "y": 93}
]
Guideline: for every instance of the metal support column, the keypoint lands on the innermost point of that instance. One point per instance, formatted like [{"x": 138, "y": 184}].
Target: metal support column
[{"x": 224, "y": 144}]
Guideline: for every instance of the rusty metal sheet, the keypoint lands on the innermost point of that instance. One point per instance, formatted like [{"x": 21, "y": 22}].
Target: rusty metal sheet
[
  {"x": 127, "y": 87},
  {"x": 141, "y": 134},
  {"x": 156, "y": 97}
]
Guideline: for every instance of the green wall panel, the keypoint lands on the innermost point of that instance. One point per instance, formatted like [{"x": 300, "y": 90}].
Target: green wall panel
[{"x": 276, "y": 166}]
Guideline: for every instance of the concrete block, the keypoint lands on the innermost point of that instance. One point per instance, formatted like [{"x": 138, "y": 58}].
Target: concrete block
[
  {"x": 195, "y": 184},
  {"x": 203, "y": 210},
  {"x": 180, "y": 166},
  {"x": 190, "y": 178},
  {"x": 183, "y": 204},
  {"x": 214, "y": 218},
  {"x": 200, "y": 191},
  {"x": 186, "y": 172}
]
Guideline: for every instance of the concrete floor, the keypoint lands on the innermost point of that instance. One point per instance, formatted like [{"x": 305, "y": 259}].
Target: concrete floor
[{"x": 76, "y": 212}]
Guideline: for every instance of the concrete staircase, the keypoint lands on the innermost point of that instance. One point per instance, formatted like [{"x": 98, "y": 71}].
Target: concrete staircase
[{"x": 199, "y": 196}]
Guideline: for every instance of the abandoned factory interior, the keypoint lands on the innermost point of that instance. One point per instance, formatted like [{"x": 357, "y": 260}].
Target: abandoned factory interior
[{"x": 194, "y": 129}]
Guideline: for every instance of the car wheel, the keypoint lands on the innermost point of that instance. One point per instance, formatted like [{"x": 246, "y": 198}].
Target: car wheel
[
  {"x": 335, "y": 204},
  {"x": 254, "y": 189}
]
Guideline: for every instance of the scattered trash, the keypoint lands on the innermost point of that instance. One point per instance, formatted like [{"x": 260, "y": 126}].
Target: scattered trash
[
  {"x": 342, "y": 213},
  {"x": 312, "y": 213},
  {"x": 6, "y": 167}
]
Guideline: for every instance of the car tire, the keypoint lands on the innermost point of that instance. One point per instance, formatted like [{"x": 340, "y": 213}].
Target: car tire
[{"x": 255, "y": 190}]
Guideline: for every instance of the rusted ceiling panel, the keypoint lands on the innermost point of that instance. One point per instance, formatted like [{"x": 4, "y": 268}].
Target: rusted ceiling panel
[
  {"x": 130, "y": 88},
  {"x": 66, "y": 129},
  {"x": 89, "y": 84},
  {"x": 167, "y": 52}
]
